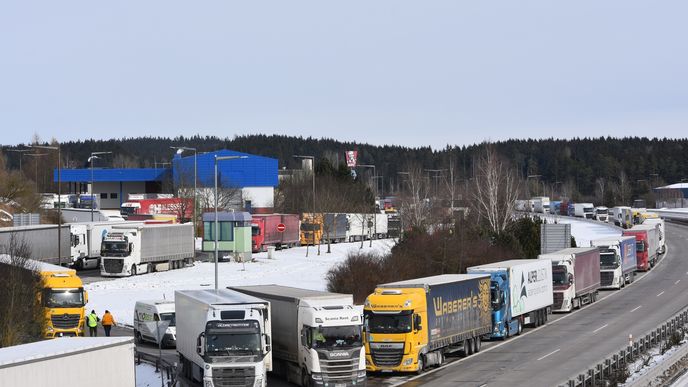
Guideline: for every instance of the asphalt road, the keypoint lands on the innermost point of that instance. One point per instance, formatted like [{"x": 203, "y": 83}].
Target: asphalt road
[{"x": 571, "y": 343}]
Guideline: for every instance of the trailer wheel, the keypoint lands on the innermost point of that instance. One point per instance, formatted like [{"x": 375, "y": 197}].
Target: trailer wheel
[
  {"x": 467, "y": 347},
  {"x": 477, "y": 343}
]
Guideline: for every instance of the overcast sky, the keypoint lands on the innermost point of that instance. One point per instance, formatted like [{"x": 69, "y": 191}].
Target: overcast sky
[{"x": 384, "y": 72}]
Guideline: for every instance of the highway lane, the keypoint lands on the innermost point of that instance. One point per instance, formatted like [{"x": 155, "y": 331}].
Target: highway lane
[{"x": 571, "y": 343}]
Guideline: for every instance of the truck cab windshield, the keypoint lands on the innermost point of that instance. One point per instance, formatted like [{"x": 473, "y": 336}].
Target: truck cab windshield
[
  {"x": 640, "y": 246},
  {"x": 233, "y": 338},
  {"x": 309, "y": 227},
  {"x": 560, "y": 276},
  {"x": 115, "y": 249},
  {"x": 389, "y": 323},
  {"x": 336, "y": 337},
  {"x": 608, "y": 259},
  {"x": 497, "y": 299},
  {"x": 255, "y": 230},
  {"x": 63, "y": 298}
]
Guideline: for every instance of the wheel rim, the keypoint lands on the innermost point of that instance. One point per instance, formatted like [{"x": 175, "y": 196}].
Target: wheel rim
[{"x": 133, "y": 269}]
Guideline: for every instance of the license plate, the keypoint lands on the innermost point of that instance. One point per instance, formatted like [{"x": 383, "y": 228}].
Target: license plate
[{"x": 340, "y": 385}]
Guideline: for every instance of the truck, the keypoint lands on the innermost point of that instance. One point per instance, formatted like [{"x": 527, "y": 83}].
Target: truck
[
  {"x": 264, "y": 231},
  {"x": 87, "y": 238},
  {"x": 393, "y": 226},
  {"x": 327, "y": 227},
  {"x": 520, "y": 205},
  {"x": 131, "y": 249},
  {"x": 181, "y": 208},
  {"x": 575, "y": 276},
  {"x": 622, "y": 216},
  {"x": 413, "y": 324},
  {"x": 541, "y": 204},
  {"x": 571, "y": 209},
  {"x": 618, "y": 261},
  {"x": 62, "y": 296},
  {"x": 584, "y": 210},
  {"x": 380, "y": 228},
  {"x": 647, "y": 244},
  {"x": 42, "y": 240},
  {"x": 320, "y": 335},
  {"x": 520, "y": 292},
  {"x": 555, "y": 207},
  {"x": 601, "y": 213},
  {"x": 661, "y": 229},
  {"x": 61, "y": 362},
  {"x": 358, "y": 227},
  {"x": 223, "y": 337},
  {"x": 564, "y": 207}
]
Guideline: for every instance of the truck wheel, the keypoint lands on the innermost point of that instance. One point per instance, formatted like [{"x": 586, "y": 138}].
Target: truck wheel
[
  {"x": 305, "y": 379},
  {"x": 467, "y": 347},
  {"x": 138, "y": 338},
  {"x": 520, "y": 327},
  {"x": 421, "y": 365},
  {"x": 133, "y": 269},
  {"x": 477, "y": 343}
]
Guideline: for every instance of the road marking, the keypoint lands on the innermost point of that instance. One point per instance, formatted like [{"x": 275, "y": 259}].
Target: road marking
[
  {"x": 636, "y": 308},
  {"x": 551, "y": 353},
  {"x": 677, "y": 281},
  {"x": 660, "y": 294},
  {"x": 600, "y": 328}
]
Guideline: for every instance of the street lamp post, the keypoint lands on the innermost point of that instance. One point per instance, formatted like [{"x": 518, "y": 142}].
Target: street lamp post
[
  {"x": 180, "y": 150},
  {"x": 217, "y": 230},
  {"x": 59, "y": 198},
  {"x": 36, "y": 166},
  {"x": 21, "y": 156},
  {"x": 91, "y": 161},
  {"x": 537, "y": 184},
  {"x": 312, "y": 158}
]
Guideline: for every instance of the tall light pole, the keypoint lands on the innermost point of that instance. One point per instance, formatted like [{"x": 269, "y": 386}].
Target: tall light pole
[
  {"x": 537, "y": 183},
  {"x": 217, "y": 229},
  {"x": 180, "y": 150},
  {"x": 21, "y": 156},
  {"x": 312, "y": 158},
  {"x": 91, "y": 161},
  {"x": 36, "y": 166},
  {"x": 59, "y": 198}
]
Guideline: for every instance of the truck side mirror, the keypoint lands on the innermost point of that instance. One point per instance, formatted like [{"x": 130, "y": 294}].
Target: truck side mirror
[
  {"x": 417, "y": 322},
  {"x": 570, "y": 279},
  {"x": 199, "y": 344},
  {"x": 85, "y": 297}
]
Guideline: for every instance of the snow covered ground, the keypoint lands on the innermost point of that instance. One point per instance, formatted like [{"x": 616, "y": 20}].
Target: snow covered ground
[
  {"x": 146, "y": 376},
  {"x": 290, "y": 268}
]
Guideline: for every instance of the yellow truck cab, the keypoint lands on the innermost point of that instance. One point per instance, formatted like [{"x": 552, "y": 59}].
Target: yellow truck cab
[
  {"x": 412, "y": 324},
  {"x": 310, "y": 224},
  {"x": 63, "y": 298}
]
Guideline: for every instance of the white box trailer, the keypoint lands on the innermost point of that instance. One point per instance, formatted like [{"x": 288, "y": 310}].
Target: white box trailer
[
  {"x": 521, "y": 292},
  {"x": 358, "y": 226},
  {"x": 320, "y": 335},
  {"x": 661, "y": 233},
  {"x": 42, "y": 241},
  {"x": 380, "y": 228},
  {"x": 130, "y": 249},
  {"x": 73, "y": 361},
  {"x": 223, "y": 337}
]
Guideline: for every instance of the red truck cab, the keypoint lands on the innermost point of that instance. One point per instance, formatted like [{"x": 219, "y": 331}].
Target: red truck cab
[{"x": 646, "y": 245}]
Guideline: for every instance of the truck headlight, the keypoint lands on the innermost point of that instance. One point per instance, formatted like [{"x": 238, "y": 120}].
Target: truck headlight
[
  {"x": 50, "y": 328},
  {"x": 408, "y": 361},
  {"x": 258, "y": 382},
  {"x": 316, "y": 376}
]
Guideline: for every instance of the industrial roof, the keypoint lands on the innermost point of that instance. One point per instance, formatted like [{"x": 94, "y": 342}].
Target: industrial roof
[
  {"x": 434, "y": 280},
  {"x": 220, "y": 297},
  {"x": 111, "y": 175},
  {"x": 27, "y": 353}
]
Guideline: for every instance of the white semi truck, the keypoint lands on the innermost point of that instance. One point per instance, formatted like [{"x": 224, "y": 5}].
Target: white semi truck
[
  {"x": 223, "y": 337},
  {"x": 575, "y": 277},
  {"x": 320, "y": 335},
  {"x": 662, "y": 234},
  {"x": 584, "y": 210},
  {"x": 87, "y": 238},
  {"x": 131, "y": 249},
  {"x": 602, "y": 213},
  {"x": 541, "y": 204},
  {"x": 618, "y": 261}
]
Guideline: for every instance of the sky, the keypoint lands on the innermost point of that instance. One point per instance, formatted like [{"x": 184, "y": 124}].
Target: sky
[{"x": 411, "y": 73}]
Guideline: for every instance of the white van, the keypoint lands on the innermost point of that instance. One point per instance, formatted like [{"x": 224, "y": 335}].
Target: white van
[{"x": 152, "y": 311}]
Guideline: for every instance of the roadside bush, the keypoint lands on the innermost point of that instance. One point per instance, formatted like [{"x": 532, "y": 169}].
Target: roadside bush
[{"x": 357, "y": 275}]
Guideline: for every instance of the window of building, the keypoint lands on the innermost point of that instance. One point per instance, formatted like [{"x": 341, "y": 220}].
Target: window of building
[
  {"x": 113, "y": 196},
  {"x": 103, "y": 195},
  {"x": 226, "y": 231}
]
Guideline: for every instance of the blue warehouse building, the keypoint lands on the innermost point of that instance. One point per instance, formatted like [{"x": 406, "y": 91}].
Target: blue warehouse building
[{"x": 251, "y": 180}]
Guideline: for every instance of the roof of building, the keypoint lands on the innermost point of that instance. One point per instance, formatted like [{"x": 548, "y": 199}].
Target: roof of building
[
  {"x": 675, "y": 186},
  {"x": 27, "y": 353},
  {"x": 226, "y": 216},
  {"x": 111, "y": 175}
]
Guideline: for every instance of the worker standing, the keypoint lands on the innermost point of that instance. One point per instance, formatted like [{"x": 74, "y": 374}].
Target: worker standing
[
  {"x": 108, "y": 322},
  {"x": 92, "y": 322}
]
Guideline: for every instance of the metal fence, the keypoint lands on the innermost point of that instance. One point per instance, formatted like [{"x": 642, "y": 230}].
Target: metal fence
[
  {"x": 601, "y": 373},
  {"x": 167, "y": 371}
]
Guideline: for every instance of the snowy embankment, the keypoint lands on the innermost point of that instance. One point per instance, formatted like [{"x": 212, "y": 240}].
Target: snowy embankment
[{"x": 290, "y": 268}]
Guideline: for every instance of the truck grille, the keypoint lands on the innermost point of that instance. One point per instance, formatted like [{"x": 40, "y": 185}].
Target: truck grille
[
  {"x": 232, "y": 377},
  {"x": 339, "y": 370},
  {"x": 65, "y": 321},
  {"x": 387, "y": 357},
  {"x": 558, "y": 300},
  {"x": 607, "y": 277},
  {"x": 113, "y": 265}
]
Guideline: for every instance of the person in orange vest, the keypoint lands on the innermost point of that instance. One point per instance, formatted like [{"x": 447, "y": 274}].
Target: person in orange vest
[{"x": 108, "y": 321}]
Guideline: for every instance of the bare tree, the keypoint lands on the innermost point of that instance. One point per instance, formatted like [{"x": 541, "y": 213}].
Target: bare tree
[
  {"x": 600, "y": 189},
  {"x": 415, "y": 198},
  {"x": 495, "y": 190},
  {"x": 451, "y": 182},
  {"x": 623, "y": 189},
  {"x": 22, "y": 319}
]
